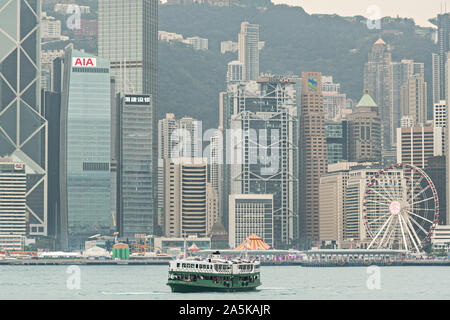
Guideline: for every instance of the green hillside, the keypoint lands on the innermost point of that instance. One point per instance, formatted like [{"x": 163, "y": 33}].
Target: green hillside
[{"x": 190, "y": 81}]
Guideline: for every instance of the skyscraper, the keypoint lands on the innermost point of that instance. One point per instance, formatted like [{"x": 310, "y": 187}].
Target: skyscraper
[
  {"x": 336, "y": 133},
  {"x": 414, "y": 99},
  {"x": 402, "y": 72},
  {"x": 185, "y": 197},
  {"x": 176, "y": 139},
  {"x": 333, "y": 187},
  {"x": 13, "y": 187},
  {"x": 235, "y": 72},
  {"x": 23, "y": 128},
  {"x": 365, "y": 133},
  {"x": 128, "y": 38},
  {"x": 261, "y": 148},
  {"x": 136, "y": 214},
  {"x": 333, "y": 100},
  {"x": 313, "y": 158},
  {"x": 85, "y": 147},
  {"x": 436, "y": 78},
  {"x": 248, "y": 49},
  {"x": 251, "y": 213},
  {"x": 419, "y": 143},
  {"x": 442, "y": 21},
  {"x": 378, "y": 80}
]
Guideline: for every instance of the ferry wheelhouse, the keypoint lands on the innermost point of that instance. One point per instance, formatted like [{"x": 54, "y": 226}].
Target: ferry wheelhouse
[{"x": 214, "y": 273}]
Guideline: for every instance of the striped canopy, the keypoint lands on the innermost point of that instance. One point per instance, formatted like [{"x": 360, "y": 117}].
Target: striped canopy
[
  {"x": 193, "y": 248},
  {"x": 253, "y": 242}
]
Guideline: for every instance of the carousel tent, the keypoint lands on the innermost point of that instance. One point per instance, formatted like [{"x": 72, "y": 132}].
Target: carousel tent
[
  {"x": 253, "y": 242},
  {"x": 193, "y": 248}
]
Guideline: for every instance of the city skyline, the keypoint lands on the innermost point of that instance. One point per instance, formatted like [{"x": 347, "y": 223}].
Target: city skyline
[{"x": 278, "y": 134}]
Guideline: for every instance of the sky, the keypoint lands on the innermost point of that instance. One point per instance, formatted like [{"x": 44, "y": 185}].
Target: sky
[{"x": 419, "y": 10}]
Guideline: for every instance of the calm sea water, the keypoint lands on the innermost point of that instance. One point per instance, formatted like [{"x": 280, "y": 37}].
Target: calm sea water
[{"x": 285, "y": 283}]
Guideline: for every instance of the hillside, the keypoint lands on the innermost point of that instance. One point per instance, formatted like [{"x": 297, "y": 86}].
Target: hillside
[{"x": 295, "y": 41}]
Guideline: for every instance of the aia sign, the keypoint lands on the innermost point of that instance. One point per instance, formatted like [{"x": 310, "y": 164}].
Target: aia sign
[{"x": 84, "y": 62}]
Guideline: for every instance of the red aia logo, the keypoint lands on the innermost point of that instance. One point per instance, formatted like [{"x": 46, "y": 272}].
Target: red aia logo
[{"x": 84, "y": 62}]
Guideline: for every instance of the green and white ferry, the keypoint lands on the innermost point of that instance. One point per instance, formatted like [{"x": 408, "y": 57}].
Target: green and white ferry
[{"x": 195, "y": 274}]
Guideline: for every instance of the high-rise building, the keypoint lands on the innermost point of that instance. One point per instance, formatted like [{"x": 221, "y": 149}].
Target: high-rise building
[
  {"x": 248, "y": 49},
  {"x": 419, "y": 143},
  {"x": 85, "y": 146},
  {"x": 179, "y": 138},
  {"x": 414, "y": 99},
  {"x": 436, "y": 78},
  {"x": 261, "y": 148},
  {"x": 216, "y": 167},
  {"x": 332, "y": 190},
  {"x": 128, "y": 38},
  {"x": 166, "y": 127},
  {"x": 51, "y": 103},
  {"x": 176, "y": 139},
  {"x": 136, "y": 188},
  {"x": 407, "y": 122},
  {"x": 365, "y": 131},
  {"x": 402, "y": 72},
  {"x": 212, "y": 208},
  {"x": 185, "y": 197},
  {"x": 188, "y": 139},
  {"x": 235, "y": 72},
  {"x": 336, "y": 133},
  {"x": 23, "y": 128},
  {"x": 334, "y": 101},
  {"x": 13, "y": 213},
  {"x": 378, "y": 80},
  {"x": 313, "y": 158},
  {"x": 440, "y": 114},
  {"x": 442, "y": 21},
  {"x": 50, "y": 27},
  {"x": 251, "y": 214},
  {"x": 436, "y": 170}
]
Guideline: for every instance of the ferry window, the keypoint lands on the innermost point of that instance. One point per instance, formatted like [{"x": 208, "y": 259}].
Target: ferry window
[
  {"x": 178, "y": 265},
  {"x": 196, "y": 265}
]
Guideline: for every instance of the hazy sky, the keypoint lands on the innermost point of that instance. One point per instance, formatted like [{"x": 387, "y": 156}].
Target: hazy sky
[{"x": 419, "y": 10}]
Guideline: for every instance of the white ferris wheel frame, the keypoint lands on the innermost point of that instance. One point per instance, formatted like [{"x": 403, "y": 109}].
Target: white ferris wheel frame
[{"x": 401, "y": 211}]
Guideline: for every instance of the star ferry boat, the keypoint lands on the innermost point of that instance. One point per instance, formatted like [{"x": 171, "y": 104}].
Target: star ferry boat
[{"x": 194, "y": 274}]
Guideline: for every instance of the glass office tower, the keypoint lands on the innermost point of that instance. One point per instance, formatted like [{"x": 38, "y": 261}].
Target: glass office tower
[
  {"x": 85, "y": 147},
  {"x": 128, "y": 38},
  {"x": 23, "y": 129},
  {"x": 136, "y": 215}
]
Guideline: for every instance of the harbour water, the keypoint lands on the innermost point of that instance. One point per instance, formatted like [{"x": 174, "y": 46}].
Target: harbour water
[{"x": 279, "y": 283}]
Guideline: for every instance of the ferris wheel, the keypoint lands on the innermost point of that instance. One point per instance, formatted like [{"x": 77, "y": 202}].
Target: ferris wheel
[{"x": 400, "y": 208}]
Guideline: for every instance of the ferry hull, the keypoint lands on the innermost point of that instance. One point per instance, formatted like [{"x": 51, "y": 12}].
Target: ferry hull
[{"x": 183, "y": 287}]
